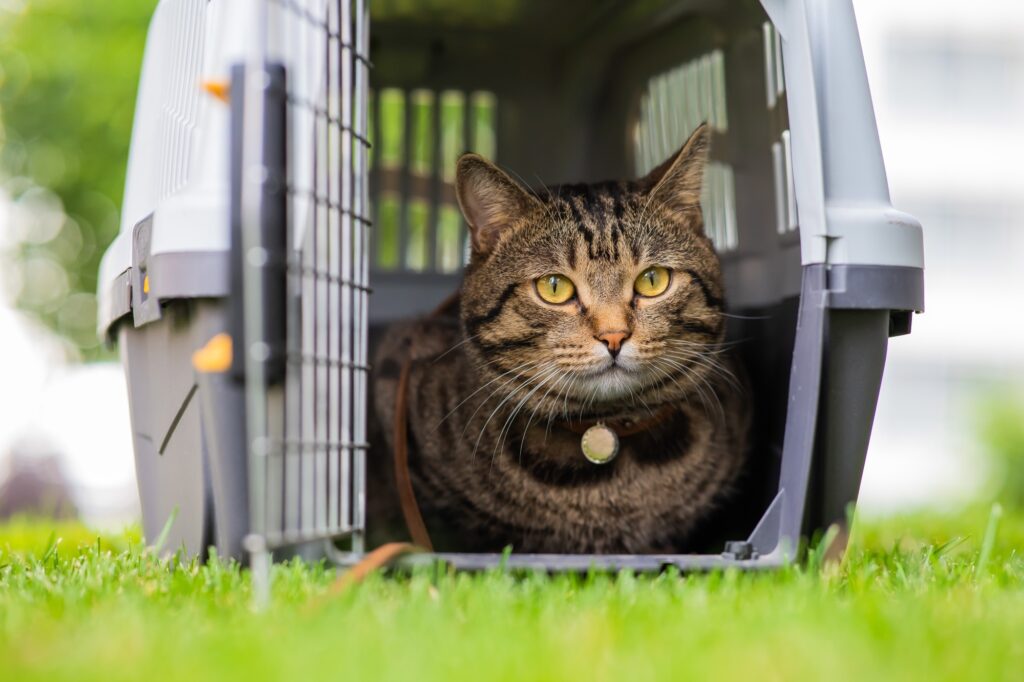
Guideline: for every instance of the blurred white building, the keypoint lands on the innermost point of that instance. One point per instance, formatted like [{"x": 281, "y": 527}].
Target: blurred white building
[{"x": 948, "y": 86}]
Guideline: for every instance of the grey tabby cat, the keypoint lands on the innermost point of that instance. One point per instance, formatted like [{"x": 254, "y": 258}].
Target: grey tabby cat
[{"x": 582, "y": 305}]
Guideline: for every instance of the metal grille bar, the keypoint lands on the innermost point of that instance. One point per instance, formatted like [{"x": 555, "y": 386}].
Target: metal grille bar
[{"x": 308, "y": 472}]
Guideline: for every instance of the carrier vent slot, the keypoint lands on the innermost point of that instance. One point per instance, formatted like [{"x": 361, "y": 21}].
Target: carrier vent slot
[
  {"x": 178, "y": 115},
  {"x": 785, "y": 190},
  {"x": 673, "y": 104},
  {"x": 418, "y": 136},
  {"x": 718, "y": 201},
  {"x": 775, "y": 82}
]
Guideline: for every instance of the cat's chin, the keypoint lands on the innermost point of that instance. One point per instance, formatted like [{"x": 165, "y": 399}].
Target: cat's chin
[{"x": 609, "y": 385}]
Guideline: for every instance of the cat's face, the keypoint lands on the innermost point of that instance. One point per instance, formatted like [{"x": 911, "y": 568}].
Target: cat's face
[{"x": 592, "y": 299}]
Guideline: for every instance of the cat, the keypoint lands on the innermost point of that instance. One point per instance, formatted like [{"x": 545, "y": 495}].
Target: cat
[{"x": 580, "y": 305}]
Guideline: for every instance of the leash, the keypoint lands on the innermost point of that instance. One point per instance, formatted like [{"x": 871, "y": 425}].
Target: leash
[
  {"x": 403, "y": 482},
  {"x": 374, "y": 561},
  {"x": 388, "y": 553}
]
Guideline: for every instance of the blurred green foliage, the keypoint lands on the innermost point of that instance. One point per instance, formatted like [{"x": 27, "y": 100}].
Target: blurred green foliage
[
  {"x": 1002, "y": 432},
  {"x": 68, "y": 75}
]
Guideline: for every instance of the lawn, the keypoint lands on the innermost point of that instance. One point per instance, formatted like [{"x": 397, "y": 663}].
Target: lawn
[{"x": 924, "y": 597}]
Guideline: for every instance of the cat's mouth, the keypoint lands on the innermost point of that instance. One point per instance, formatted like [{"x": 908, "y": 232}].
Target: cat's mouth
[
  {"x": 610, "y": 381},
  {"x": 608, "y": 368},
  {"x": 613, "y": 366}
]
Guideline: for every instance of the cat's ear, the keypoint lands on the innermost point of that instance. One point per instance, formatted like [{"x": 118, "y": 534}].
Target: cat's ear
[
  {"x": 677, "y": 181},
  {"x": 490, "y": 200}
]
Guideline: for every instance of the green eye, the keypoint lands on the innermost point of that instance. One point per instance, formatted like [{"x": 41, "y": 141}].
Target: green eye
[
  {"x": 652, "y": 282},
  {"x": 555, "y": 288}
]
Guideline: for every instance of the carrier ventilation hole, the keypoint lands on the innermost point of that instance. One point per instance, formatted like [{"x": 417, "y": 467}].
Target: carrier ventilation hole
[
  {"x": 418, "y": 135},
  {"x": 785, "y": 189},
  {"x": 775, "y": 81},
  {"x": 178, "y": 112},
  {"x": 672, "y": 105}
]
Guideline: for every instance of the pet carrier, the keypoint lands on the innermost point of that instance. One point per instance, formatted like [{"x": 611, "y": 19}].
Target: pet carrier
[{"x": 238, "y": 288}]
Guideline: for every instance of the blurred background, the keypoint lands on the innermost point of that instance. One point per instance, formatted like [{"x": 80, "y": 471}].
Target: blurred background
[{"x": 948, "y": 88}]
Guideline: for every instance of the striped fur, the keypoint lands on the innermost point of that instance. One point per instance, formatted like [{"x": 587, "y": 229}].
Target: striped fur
[{"x": 490, "y": 386}]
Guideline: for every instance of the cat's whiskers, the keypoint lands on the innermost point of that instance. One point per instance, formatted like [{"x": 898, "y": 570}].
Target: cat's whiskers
[
  {"x": 562, "y": 376},
  {"x": 692, "y": 348},
  {"x": 734, "y": 316},
  {"x": 687, "y": 354},
  {"x": 563, "y": 387},
  {"x": 462, "y": 402},
  {"x": 717, "y": 347},
  {"x": 675, "y": 380},
  {"x": 504, "y": 400},
  {"x": 589, "y": 401},
  {"x": 542, "y": 379},
  {"x": 694, "y": 388},
  {"x": 511, "y": 393},
  {"x": 559, "y": 376},
  {"x": 639, "y": 398},
  {"x": 707, "y": 362},
  {"x": 569, "y": 390},
  {"x": 494, "y": 391},
  {"x": 698, "y": 383},
  {"x": 465, "y": 340}
]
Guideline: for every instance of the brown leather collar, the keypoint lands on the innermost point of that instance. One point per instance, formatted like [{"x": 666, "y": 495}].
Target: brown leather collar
[{"x": 623, "y": 426}]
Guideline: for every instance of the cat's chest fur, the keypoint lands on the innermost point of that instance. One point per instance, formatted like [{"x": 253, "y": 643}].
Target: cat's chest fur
[{"x": 489, "y": 473}]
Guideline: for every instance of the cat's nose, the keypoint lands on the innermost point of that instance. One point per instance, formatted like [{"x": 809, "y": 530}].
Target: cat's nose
[{"x": 613, "y": 341}]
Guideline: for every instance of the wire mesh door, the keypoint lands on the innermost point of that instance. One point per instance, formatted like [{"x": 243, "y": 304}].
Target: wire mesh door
[{"x": 303, "y": 164}]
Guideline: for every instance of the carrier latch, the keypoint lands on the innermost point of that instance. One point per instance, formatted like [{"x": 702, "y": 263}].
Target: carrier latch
[{"x": 739, "y": 550}]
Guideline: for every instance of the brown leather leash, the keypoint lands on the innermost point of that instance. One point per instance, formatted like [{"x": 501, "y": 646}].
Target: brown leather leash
[
  {"x": 403, "y": 482},
  {"x": 387, "y": 553},
  {"x": 374, "y": 561}
]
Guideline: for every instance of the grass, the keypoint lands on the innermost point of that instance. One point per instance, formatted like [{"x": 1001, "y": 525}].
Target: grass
[{"x": 924, "y": 597}]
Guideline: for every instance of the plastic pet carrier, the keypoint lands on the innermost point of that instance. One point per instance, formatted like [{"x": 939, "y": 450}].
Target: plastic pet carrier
[{"x": 257, "y": 215}]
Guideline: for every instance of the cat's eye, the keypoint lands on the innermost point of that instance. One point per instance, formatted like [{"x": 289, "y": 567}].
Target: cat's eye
[
  {"x": 555, "y": 288},
  {"x": 652, "y": 282}
]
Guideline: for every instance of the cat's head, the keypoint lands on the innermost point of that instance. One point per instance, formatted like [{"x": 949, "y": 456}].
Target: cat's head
[{"x": 591, "y": 299}]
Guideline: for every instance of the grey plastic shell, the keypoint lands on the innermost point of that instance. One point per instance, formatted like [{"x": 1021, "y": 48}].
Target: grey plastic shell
[
  {"x": 171, "y": 460},
  {"x": 837, "y": 283},
  {"x": 842, "y": 195}
]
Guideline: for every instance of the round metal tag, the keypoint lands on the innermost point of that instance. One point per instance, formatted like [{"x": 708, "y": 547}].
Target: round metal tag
[{"x": 599, "y": 444}]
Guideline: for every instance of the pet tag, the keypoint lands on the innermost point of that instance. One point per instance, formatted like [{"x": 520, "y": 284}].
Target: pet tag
[{"x": 599, "y": 444}]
